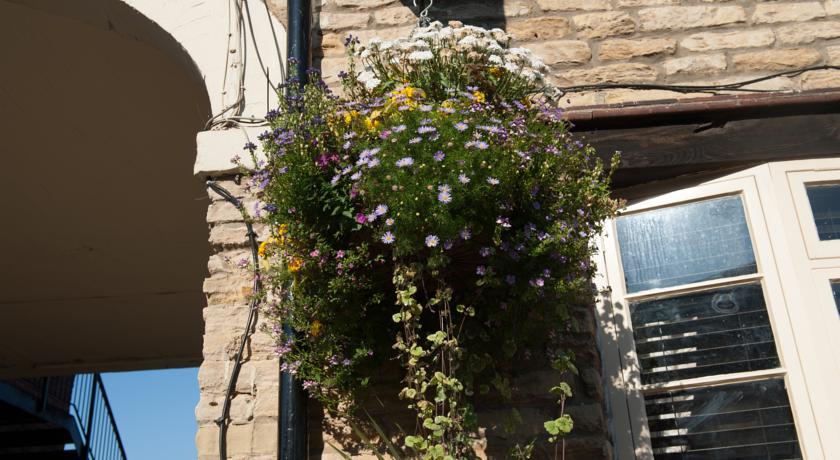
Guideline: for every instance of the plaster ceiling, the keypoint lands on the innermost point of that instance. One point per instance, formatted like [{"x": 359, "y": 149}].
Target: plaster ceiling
[{"x": 102, "y": 229}]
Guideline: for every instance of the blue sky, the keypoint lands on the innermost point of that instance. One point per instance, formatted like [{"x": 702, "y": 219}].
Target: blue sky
[{"x": 155, "y": 412}]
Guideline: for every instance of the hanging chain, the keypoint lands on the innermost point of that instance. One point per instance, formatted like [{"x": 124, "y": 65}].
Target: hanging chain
[{"x": 424, "y": 13}]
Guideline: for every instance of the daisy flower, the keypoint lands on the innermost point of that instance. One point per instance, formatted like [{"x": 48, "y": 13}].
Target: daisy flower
[
  {"x": 403, "y": 162},
  {"x": 388, "y": 238},
  {"x": 432, "y": 241}
]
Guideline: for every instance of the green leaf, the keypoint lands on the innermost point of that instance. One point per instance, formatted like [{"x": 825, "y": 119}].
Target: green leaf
[{"x": 562, "y": 389}]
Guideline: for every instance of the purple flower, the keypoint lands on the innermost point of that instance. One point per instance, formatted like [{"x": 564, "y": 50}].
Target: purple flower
[
  {"x": 480, "y": 270},
  {"x": 432, "y": 241},
  {"x": 481, "y": 145},
  {"x": 537, "y": 282},
  {"x": 356, "y": 175},
  {"x": 403, "y": 162},
  {"x": 485, "y": 251},
  {"x": 374, "y": 162},
  {"x": 340, "y": 254},
  {"x": 389, "y": 221},
  {"x": 361, "y": 218},
  {"x": 426, "y": 129},
  {"x": 439, "y": 155},
  {"x": 444, "y": 188},
  {"x": 445, "y": 197},
  {"x": 461, "y": 126},
  {"x": 346, "y": 362},
  {"x": 398, "y": 128},
  {"x": 307, "y": 384},
  {"x": 447, "y": 244},
  {"x": 462, "y": 178},
  {"x": 425, "y": 108},
  {"x": 466, "y": 234},
  {"x": 510, "y": 279},
  {"x": 250, "y": 146},
  {"x": 503, "y": 221},
  {"x": 388, "y": 238},
  {"x": 492, "y": 181},
  {"x": 415, "y": 140}
]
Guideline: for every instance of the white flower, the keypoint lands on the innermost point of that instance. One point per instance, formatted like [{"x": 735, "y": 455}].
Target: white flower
[
  {"x": 497, "y": 60},
  {"x": 511, "y": 67},
  {"x": 365, "y": 54},
  {"x": 469, "y": 40},
  {"x": 420, "y": 56},
  {"x": 372, "y": 83}
]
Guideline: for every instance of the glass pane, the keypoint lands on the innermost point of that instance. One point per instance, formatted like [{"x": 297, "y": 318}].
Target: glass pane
[
  {"x": 712, "y": 332},
  {"x": 825, "y": 204},
  {"x": 744, "y": 421},
  {"x": 684, "y": 244},
  {"x": 835, "y": 289}
]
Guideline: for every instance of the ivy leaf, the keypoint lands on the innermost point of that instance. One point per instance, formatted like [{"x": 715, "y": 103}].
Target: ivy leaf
[{"x": 562, "y": 389}]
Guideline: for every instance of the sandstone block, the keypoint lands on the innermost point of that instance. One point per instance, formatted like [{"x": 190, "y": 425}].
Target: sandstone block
[
  {"x": 395, "y": 16},
  {"x": 267, "y": 403},
  {"x": 562, "y": 52},
  {"x": 689, "y": 17},
  {"x": 819, "y": 79},
  {"x": 710, "y": 41},
  {"x": 573, "y": 5},
  {"x": 777, "y": 59},
  {"x": 342, "y": 21},
  {"x": 237, "y": 190},
  {"x": 241, "y": 409},
  {"x": 600, "y": 25},
  {"x": 700, "y": 64},
  {"x": 614, "y": 73},
  {"x": 514, "y": 8},
  {"x": 832, "y": 7},
  {"x": 227, "y": 262},
  {"x": 264, "y": 437},
  {"x": 207, "y": 441},
  {"x": 628, "y": 49},
  {"x": 541, "y": 28},
  {"x": 783, "y": 12},
  {"x": 233, "y": 234},
  {"x": 833, "y": 54},
  {"x": 617, "y": 96},
  {"x": 363, "y": 4},
  {"x": 239, "y": 439},
  {"x": 808, "y": 32},
  {"x": 630, "y": 3}
]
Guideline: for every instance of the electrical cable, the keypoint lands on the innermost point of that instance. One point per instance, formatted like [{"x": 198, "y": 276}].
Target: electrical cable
[
  {"x": 256, "y": 47},
  {"x": 250, "y": 325}
]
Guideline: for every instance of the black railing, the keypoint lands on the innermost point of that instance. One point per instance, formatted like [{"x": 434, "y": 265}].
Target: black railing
[{"x": 91, "y": 410}]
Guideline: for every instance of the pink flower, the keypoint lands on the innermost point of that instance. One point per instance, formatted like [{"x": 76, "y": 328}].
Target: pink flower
[{"x": 361, "y": 218}]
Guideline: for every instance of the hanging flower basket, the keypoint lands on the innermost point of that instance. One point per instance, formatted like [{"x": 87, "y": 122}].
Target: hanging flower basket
[{"x": 437, "y": 214}]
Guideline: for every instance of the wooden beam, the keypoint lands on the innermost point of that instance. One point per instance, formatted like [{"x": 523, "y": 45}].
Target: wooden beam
[{"x": 666, "y": 151}]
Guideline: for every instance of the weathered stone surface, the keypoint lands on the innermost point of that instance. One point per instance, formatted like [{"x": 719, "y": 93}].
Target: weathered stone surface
[
  {"x": 234, "y": 234},
  {"x": 783, "y": 12},
  {"x": 207, "y": 441},
  {"x": 699, "y": 64},
  {"x": 560, "y": 52},
  {"x": 237, "y": 190},
  {"x": 617, "y": 96},
  {"x": 808, "y": 32},
  {"x": 241, "y": 409},
  {"x": 239, "y": 439},
  {"x": 710, "y": 41},
  {"x": 600, "y": 25},
  {"x": 689, "y": 17},
  {"x": 832, "y": 7},
  {"x": 572, "y": 5},
  {"x": 342, "y": 21},
  {"x": 819, "y": 79},
  {"x": 777, "y": 59},
  {"x": 363, "y": 4},
  {"x": 227, "y": 262},
  {"x": 615, "y": 73},
  {"x": 628, "y": 49},
  {"x": 514, "y": 8},
  {"x": 265, "y": 436},
  {"x": 397, "y": 15},
  {"x": 833, "y": 54},
  {"x": 541, "y": 28},
  {"x": 629, "y": 3}
]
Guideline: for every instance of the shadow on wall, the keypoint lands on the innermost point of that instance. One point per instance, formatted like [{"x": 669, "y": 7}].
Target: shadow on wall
[{"x": 486, "y": 13}]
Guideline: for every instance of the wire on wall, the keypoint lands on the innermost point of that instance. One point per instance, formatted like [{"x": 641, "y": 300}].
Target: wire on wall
[{"x": 224, "y": 419}]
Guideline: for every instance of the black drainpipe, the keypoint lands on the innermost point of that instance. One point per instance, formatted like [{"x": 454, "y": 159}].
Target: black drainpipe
[{"x": 292, "y": 396}]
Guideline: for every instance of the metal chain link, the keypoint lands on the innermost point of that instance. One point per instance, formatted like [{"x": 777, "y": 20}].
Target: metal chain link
[{"x": 424, "y": 13}]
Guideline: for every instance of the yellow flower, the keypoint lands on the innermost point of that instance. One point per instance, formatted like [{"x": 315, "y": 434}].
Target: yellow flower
[
  {"x": 495, "y": 71},
  {"x": 263, "y": 248},
  {"x": 479, "y": 97},
  {"x": 282, "y": 229},
  {"x": 349, "y": 116},
  {"x": 316, "y": 328},
  {"x": 294, "y": 265},
  {"x": 371, "y": 124}
]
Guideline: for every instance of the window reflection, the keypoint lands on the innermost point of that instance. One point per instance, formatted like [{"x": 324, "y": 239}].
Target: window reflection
[
  {"x": 685, "y": 244},
  {"x": 742, "y": 421},
  {"x": 825, "y": 204},
  {"x": 704, "y": 333},
  {"x": 835, "y": 289}
]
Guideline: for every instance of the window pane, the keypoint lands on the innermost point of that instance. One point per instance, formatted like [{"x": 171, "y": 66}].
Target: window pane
[
  {"x": 713, "y": 332},
  {"x": 835, "y": 289},
  {"x": 684, "y": 244},
  {"x": 743, "y": 421},
  {"x": 825, "y": 204}
]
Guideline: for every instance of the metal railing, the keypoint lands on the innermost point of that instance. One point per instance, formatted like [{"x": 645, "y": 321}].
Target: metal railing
[{"x": 94, "y": 419}]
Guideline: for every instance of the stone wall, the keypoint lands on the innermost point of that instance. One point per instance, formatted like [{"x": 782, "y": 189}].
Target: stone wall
[
  {"x": 254, "y": 409},
  {"x": 621, "y": 41},
  {"x": 584, "y": 41}
]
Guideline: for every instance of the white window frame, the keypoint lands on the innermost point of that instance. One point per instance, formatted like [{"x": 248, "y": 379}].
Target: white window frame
[{"x": 792, "y": 327}]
